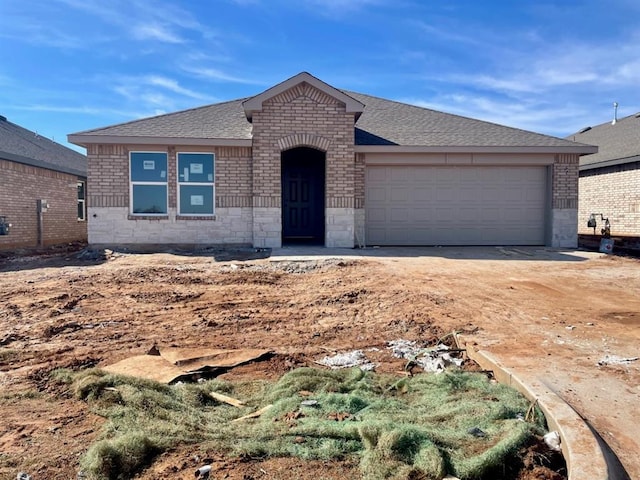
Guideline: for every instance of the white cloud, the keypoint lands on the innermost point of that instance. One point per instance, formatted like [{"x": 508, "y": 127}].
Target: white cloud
[
  {"x": 218, "y": 75},
  {"x": 174, "y": 86},
  {"x": 156, "y": 32}
]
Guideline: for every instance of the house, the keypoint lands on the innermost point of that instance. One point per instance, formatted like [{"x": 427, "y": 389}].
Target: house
[
  {"x": 305, "y": 162},
  {"x": 42, "y": 190},
  {"x": 610, "y": 179}
]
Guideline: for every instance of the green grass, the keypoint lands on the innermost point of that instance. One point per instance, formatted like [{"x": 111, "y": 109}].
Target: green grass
[{"x": 398, "y": 429}]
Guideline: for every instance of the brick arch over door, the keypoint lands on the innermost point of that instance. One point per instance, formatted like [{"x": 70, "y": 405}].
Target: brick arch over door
[{"x": 304, "y": 140}]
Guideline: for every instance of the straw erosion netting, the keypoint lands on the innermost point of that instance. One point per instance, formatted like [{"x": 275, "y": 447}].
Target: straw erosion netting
[{"x": 426, "y": 426}]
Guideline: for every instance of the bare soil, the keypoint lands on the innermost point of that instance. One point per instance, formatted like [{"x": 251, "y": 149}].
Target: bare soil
[{"x": 557, "y": 314}]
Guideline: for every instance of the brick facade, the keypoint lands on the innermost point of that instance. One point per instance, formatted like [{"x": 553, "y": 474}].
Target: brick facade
[
  {"x": 304, "y": 116},
  {"x": 108, "y": 203},
  {"x": 248, "y": 190},
  {"x": 22, "y": 186},
  {"x": 565, "y": 181},
  {"x": 615, "y": 193},
  {"x": 564, "y": 201}
]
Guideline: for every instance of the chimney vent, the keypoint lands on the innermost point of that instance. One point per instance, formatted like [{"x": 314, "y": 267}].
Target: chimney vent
[{"x": 615, "y": 113}]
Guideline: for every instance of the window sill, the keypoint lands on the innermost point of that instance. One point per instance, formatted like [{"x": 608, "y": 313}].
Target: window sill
[
  {"x": 196, "y": 217},
  {"x": 148, "y": 217}
]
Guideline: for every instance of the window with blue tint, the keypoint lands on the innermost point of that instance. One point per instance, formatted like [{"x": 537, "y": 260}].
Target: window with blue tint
[
  {"x": 149, "y": 199},
  {"x": 148, "y": 167},
  {"x": 148, "y": 183},
  {"x": 196, "y": 199},
  {"x": 195, "y": 167},
  {"x": 196, "y": 183}
]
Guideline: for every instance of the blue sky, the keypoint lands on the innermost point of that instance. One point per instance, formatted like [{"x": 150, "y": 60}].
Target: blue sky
[{"x": 547, "y": 66}]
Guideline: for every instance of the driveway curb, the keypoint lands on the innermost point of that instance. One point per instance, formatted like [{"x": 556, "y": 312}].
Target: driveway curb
[{"x": 581, "y": 450}]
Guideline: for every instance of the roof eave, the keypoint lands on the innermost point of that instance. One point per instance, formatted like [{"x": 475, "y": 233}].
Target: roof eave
[
  {"x": 579, "y": 149},
  {"x": 609, "y": 163},
  {"x": 84, "y": 140},
  {"x": 41, "y": 164}
]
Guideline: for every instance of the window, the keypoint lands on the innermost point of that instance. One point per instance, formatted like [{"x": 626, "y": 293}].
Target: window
[
  {"x": 82, "y": 210},
  {"x": 148, "y": 183},
  {"x": 196, "y": 183}
]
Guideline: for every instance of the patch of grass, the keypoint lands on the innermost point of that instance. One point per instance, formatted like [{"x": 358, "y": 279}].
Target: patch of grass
[{"x": 411, "y": 428}]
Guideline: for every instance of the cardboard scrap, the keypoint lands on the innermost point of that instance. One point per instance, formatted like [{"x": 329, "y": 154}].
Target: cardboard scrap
[
  {"x": 149, "y": 367},
  {"x": 174, "y": 364},
  {"x": 197, "y": 358}
]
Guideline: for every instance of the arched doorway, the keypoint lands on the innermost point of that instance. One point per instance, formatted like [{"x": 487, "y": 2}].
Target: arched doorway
[{"x": 303, "y": 194}]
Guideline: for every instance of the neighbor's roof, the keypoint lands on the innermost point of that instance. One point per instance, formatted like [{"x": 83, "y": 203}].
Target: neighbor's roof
[
  {"x": 20, "y": 145},
  {"x": 617, "y": 144},
  {"x": 383, "y": 124}
]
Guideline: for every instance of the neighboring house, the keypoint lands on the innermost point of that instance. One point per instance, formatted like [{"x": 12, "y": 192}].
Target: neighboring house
[
  {"x": 610, "y": 179},
  {"x": 36, "y": 172},
  {"x": 304, "y": 162}
]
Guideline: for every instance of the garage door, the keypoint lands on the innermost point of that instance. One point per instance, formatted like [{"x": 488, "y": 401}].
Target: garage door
[{"x": 438, "y": 205}]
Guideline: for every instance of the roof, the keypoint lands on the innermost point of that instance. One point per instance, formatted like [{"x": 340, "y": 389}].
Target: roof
[
  {"x": 20, "y": 145},
  {"x": 383, "y": 125},
  {"x": 617, "y": 144}
]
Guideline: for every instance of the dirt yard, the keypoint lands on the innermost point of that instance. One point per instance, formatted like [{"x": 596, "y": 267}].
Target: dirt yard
[{"x": 556, "y": 314}]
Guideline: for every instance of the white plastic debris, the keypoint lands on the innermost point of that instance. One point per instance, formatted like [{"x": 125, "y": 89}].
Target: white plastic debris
[
  {"x": 616, "y": 360},
  {"x": 203, "y": 472},
  {"x": 355, "y": 358},
  {"x": 435, "y": 359},
  {"x": 552, "y": 439},
  {"x": 23, "y": 476}
]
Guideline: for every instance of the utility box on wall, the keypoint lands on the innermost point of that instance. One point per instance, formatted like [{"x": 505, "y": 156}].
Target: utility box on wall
[{"x": 4, "y": 226}]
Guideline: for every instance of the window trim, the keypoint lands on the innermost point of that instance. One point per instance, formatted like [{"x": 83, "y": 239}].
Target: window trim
[
  {"x": 211, "y": 184},
  {"x": 132, "y": 183},
  {"x": 82, "y": 201}
]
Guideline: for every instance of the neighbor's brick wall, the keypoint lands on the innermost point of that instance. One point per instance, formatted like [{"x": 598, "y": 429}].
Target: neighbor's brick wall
[
  {"x": 304, "y": 112},
  {"x": 109, "y": 173},
  {"x": 565, "y": 181},
  {"x": 22, "y": 186},
  {"x": 614, "y": 192}
]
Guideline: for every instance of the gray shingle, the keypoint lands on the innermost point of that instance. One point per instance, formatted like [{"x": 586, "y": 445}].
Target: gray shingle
[
  {"x": 619, "y": 142},
  {"x": 221, "y": 120},
  {"x": 400, "y": 124},
  {"x": 383, "y": 122},
  {"x": 24, "y": 146}
]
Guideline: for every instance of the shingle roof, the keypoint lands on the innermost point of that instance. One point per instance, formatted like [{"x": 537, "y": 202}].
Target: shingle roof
[
  {"x": 24, "y": 146},
  {"x": 619, "y": 143},
  {"x": 383, "y": 122},
  {"x": 220, "y": 120}
]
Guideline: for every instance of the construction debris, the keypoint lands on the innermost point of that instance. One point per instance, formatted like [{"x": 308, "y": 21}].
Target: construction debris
[
  {"x": 255, "y": 414},
  {"x": 434, "y": 359},
  {"x": 552, "y": 439},
  {"x": 355, "y": 358},
  {"x": 616, "y": 360},
  {"x": 174, "y": 364},
  {"x": 225, "y": 399}
]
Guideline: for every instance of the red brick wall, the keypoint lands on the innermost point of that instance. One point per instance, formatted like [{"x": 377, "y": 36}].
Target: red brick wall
[{"x": 22, "y": 186}]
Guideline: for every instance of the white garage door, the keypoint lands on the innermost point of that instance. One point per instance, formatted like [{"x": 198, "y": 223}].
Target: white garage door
[{"x": 443, "y": 205}]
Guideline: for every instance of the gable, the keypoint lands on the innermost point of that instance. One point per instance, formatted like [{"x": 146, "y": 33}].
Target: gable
[{"x": 303, "y": 84}]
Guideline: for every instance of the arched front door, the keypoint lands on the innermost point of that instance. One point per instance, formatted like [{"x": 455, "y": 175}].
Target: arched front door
[{"x": 303, "y": 193}]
